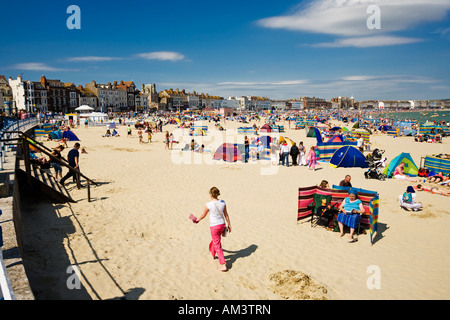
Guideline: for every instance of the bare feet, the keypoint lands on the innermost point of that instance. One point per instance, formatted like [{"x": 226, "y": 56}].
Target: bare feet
[{"x": 222, "y": 268}]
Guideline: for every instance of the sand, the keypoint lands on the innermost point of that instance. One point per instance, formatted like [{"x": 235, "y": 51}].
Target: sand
[{"x": 134, "y": 239}]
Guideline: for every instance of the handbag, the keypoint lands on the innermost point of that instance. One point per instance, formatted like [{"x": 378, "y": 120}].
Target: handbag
[{"x": 226, "y": 230}]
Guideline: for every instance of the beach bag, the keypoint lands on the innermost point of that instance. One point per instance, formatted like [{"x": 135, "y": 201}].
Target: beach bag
[
  {"x": 226, "y": 230},
  {"x": 423, "y": 172}
]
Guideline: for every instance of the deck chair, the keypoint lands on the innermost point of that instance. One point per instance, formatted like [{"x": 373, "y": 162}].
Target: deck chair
[{"x": 320, "y": 214}]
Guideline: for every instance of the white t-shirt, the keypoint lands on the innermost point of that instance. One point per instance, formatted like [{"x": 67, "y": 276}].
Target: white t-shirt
[
  {"x": 360, "y": 142},
  {"x": 285, "y": 148},
  {"x": 215, "y": 217}
]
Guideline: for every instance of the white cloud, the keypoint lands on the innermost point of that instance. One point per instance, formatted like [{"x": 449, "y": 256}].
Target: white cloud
[
  {"x": 255, "y": 84},
  {"x": 348, "y": 19},
  {"x": 361, "y": 86},
  {"x": 35, "y": 66},
  {"x": 162, "y": 55},
  {"x": 366, "y": 42},
  {"x": 92, "y": 59}
]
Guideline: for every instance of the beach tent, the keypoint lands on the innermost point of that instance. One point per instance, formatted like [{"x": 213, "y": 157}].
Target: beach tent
[
  {"x": 410, "y": 167},
  {"x": 227, "y": 152},
  {"x": 56, "y": 135},
  {"x": 310, "y": 132},
  {"x": 384, "y": 127},
  {"x": 70, "y": 136},
  {"x": 336, "y": 138},
  {"x": 174, "y": 121},
  {"x": 318, "y": 135},
  {"x": 289, "y": 141},
  {"x": 348, "y": 157},
  {"x": 266, "y": 128}
]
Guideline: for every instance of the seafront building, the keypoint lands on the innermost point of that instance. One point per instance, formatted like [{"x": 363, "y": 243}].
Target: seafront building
[
  {"x": 53, "y": 95},
  {"x": 6, "y": 96}
]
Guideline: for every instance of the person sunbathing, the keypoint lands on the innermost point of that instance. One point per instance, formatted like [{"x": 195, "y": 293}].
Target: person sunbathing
[
  {"x": 399, "y": 173},
  {"x": 433, "y": 189},
  {"x": 436, "y": 178}
]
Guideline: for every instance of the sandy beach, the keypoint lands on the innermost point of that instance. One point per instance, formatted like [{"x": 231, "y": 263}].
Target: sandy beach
[{"x": 134, "y": 238}]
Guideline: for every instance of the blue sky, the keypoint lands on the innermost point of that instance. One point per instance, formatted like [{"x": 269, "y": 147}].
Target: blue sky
[{"x": 278, "y": 49}]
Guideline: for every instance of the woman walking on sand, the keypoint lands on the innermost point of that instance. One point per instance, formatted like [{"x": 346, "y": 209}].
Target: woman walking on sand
[{"x": 218, "y": 218}]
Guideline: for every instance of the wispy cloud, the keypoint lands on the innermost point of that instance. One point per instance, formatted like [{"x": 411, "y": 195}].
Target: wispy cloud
[
  {"x": 367, "y": 42},
  {"x": 347, "y": 19},
  {"x": 364, "y": 86},
  {"x": 35, "y": 66},
  {"x": 279, "y": 83},
  {"x": 162, "y": 55},
  {"x": 92, "y": 59}
]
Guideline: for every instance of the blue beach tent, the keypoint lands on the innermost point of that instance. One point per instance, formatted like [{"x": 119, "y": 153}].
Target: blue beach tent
[
  {"x": 410, "y": 167},
  {"x": 348, "y": 157},
  {"x": 70, "y": 135}
]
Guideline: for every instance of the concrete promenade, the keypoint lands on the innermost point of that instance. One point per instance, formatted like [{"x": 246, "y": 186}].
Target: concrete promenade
[{"x": 10, "y": 220}]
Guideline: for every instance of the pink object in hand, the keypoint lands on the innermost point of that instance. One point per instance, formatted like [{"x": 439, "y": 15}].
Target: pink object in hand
[{"x": 193, "y": 218}]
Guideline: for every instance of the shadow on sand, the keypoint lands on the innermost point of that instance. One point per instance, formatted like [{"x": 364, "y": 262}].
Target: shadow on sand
[
  {"x": 234, "y": 255},
  {"x": 48, "y": 255}
]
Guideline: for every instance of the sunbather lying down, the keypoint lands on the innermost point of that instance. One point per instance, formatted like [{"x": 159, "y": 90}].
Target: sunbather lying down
[{"x": 433, "y": 189}]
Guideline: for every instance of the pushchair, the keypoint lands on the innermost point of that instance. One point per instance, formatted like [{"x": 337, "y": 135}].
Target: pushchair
[{"x": 376, "y": 165}]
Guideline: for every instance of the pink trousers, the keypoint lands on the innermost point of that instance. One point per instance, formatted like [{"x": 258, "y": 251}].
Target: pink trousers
[{"x": 215, "y": 247}]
